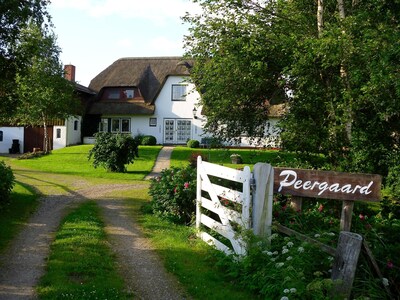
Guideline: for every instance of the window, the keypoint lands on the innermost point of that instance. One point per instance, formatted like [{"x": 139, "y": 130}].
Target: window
[
  {"x": 113, "y": 94},
  {"x": 58, "y": 133},
  {"x": 120, "y": 125},
  {"x": 179, "y": 92},
  {"x": 103, "y": 125},
  {"x": 76, "y": 125},
  {"x": 115, "y": 125},
  {"x": 129, "y": 94},
  {"x": 153, "y": 122},
  {"x": 125, "y": 125},
  {"x": 1, "y": 135}
]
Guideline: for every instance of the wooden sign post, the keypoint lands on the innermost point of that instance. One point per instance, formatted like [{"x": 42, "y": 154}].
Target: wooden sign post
[{"x": 328, "y": 185}]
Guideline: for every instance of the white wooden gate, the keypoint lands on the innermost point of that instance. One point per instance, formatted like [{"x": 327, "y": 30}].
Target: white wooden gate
[{"x": 222, "y": 209}]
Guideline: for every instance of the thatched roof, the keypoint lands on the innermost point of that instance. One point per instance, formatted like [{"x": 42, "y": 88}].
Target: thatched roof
[
  {"x": 148, "y": 74},
  {"x": 121, "y": 108}
]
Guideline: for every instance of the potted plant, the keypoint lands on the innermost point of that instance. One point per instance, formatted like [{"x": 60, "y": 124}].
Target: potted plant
[{"x": 236, "y": 159}]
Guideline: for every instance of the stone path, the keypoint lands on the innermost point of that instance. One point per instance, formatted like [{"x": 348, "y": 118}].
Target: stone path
[{"x": 23, "y": 262}]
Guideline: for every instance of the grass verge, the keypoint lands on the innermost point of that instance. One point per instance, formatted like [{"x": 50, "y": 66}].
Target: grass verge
[
  {"x": 191, "y": 260},
  {"x": 81, "y": 265},
  {"x": 23, "y": 203}
]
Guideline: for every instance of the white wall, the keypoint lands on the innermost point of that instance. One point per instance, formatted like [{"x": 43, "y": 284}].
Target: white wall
[
  {"x": 69, "y": 136},
  {"x": 9, "y": 134}
]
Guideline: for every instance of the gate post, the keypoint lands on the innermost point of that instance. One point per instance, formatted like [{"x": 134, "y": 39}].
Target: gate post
[
  {"x": 345, "y": 263},
  {"x": 262, "y": 199}
]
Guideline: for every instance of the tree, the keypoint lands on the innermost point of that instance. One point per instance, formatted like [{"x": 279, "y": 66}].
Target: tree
[
  {"x": 43, "y": 94},
  {"x": 339, "y": 60},
  {"x": 15, "y": 14}
]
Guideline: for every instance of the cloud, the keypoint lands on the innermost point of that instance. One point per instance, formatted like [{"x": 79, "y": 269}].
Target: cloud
[{"x": 159, "y": 11}]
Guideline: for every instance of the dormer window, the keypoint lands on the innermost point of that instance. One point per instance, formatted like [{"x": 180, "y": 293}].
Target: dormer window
[
  {"x": 119, "y": 94},
  {"x": 179, "y": 92}
]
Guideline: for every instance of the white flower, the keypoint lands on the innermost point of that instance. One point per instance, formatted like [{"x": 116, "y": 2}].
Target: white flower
[
  {"x": 300, "y": 249},
  {"x": 279, "y": 265},
  {"x": 273, "y": 236},
  {"x": 385, "y": 281},
  {"x": 284, "y": 251},
  {"x": 284, "y": 298},
  {"x": 289, "y": 258},
  {"x": 286, "y": 291},
  {"x": 273, "y": 259},
  {"x": 284, "y": 247},
  {"x": 275, "y": 253},
  {"x": 290, "y": 244},
  {"x": 269, "y": 253},
  {"x": 293, "y": 290},
  {"x": 317, "y": 235}
]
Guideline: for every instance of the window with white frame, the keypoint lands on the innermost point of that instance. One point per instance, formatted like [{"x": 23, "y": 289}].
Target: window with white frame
[
  {"x": 153, "y": 122},
  {"x": 58, "y": 133},
  {"x": 120, "y": 125},
  {"x": 103, "y": 125},
  {"x": 179, "y": 92}
]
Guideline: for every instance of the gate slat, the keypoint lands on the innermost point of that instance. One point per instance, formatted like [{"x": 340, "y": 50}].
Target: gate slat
[
  {"x": 223, "y": 172},
  {"x": 214, "y": 242},
  {"x": 230, "y": 194},
  {"x": 231, "y": 214}
]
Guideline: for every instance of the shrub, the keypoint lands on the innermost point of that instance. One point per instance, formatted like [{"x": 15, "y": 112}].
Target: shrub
[
  {"x": 149, "y": 140},
  {"x": 193, "y": 144},
  {"x": 193, "y": 158},
  {"x": 113, "y": 151},
  {"x": 6, "y": 182},
  {"x": 139, "y": 139},
  {"x": 174, "y": 194}
]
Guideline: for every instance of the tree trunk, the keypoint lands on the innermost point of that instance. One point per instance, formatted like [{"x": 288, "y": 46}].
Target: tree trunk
[
  {"x": 320, "y": 16},
  {"x": 46, "y": 137},
  {"x": 344, "y": 76}
]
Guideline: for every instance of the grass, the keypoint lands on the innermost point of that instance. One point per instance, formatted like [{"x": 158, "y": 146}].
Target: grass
[
  {"x": 74, "y": 161},
  {"x": 181, "y": 155},
  {"x": 81, "y": 265},
  {"x": 191, "y": 260},
  {"x": 23, "y": 203}
]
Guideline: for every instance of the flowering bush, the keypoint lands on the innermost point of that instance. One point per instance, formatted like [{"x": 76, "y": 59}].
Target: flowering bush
[{"x": 174, "y": 194}]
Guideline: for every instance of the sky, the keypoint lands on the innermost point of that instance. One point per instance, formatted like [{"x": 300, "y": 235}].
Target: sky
[{"x": 92, "y": 34}]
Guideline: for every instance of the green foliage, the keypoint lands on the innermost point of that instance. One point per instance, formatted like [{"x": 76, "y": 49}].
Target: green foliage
[
  {"x": 42, "y": 91},
  {"x": 174, "y": 194},
  {"x": 193, "y": 144},
  {"x": 80, "y": 265},
  {"x": 148, "y": 140},
  {"x": 113, "y": 151},
  {"x": 6, "y": 183},
  {"x": 14, "y": 18},
  {"x": 340, "y": 81}
]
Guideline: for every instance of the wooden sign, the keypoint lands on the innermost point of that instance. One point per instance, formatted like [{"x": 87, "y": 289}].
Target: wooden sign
[{"x": 327, "y": 184}]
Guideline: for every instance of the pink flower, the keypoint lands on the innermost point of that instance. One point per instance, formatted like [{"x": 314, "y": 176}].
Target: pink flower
[
  {"x": 186, "y": 185},
  {"x": 175, "y": 190},
  {"x": 362, "y": 217},
  {"x": 320, "y": 208},
  {"x": 389, "y": 264}
]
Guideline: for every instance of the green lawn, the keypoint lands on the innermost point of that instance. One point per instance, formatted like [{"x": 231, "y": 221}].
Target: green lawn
[{"x": 74, "y": 161}]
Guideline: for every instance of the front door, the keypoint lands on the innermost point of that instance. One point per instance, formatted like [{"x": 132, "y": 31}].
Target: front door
[{"x": 177, "y": 131}]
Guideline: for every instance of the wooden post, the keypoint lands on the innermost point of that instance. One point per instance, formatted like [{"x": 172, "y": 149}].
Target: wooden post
[
  {"x": 198, "y": 194},
  {"x": 262, "y": 199},
  {"x": 347, "y": 212},
  {"x": 345, "y": 263}
]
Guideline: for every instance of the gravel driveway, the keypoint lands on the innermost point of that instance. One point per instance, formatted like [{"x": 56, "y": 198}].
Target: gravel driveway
[{"x": 23, "y": 262}]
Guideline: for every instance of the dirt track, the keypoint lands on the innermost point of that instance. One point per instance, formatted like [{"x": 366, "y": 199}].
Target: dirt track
[{"x": 23, "y": 262}]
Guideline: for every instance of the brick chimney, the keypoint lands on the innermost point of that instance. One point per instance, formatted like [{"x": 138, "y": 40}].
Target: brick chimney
[{"x": 69, "y": 71}]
